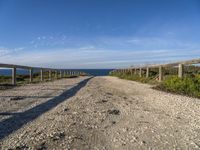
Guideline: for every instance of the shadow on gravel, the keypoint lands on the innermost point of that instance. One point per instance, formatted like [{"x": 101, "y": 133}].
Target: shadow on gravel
[{"x": 15, "y": 122}]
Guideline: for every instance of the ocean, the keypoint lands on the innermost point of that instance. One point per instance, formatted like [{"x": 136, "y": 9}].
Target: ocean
[{"x": 93, "y": 72}]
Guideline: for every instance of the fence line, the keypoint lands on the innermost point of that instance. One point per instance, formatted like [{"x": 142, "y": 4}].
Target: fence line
[
  {"x": 62, "y": 72},
  {"x": 138, "y": 70}
]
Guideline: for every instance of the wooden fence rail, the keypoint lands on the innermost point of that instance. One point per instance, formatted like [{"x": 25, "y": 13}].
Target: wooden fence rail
[
  {"x": 62, "y": 72},
  {"x": 138, "y": 70}
]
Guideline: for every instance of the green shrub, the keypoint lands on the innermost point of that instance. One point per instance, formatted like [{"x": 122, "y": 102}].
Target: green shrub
[{"x": 189, "y": 85}]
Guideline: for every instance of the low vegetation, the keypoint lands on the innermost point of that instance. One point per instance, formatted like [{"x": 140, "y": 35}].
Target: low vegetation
[
  {"x": 24, "y": 79},
  {"x": 188, "y": 85},
  {"x": 128, "y": 76}
]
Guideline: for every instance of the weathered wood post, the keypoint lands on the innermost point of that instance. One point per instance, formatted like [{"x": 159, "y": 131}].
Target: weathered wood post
[
  {"x": 131, "y": 72},
  {"x": 41, "y": 75},
  {"x": 31, "y": 75},
  {"x": 135, "y": 71},
  {"x": 50, "y": 77},
  {"x": 14, "y": 76},
  {"x": 147, "y": 72},
  {"x": 160, "y": 73},
  {"x": 140, "y": 74},
  {"x": 180, "y": 70}
]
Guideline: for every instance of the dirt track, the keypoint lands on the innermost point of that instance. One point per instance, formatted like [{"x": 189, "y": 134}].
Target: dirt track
[{"x": 100, "y": 113}]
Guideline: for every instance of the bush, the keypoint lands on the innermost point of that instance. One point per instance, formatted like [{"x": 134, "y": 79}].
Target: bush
[{"x": 189, "y": 85}]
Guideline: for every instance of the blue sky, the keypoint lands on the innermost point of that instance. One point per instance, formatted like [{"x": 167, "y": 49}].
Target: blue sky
[{"x": 98, "y": 33}]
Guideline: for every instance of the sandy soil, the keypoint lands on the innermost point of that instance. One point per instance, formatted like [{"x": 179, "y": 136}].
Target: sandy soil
[{"x": 98, "y": 113}]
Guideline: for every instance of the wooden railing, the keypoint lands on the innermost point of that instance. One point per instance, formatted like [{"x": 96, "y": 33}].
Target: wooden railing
[
  {"x": 146, "y": 68},
  {"x": 61, "y": 72}
]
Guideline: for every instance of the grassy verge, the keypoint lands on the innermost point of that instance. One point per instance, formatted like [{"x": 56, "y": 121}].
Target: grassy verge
[
  {"x": 188, "y": 85},
  {"x": 24, "y": 79}
]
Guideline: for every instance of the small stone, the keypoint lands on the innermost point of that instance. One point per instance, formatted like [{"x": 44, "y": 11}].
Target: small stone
[
  {"x": 42, "y": 146},
  {"x": 16, "y": 98},
  {"x": 74, "y": 113},
  {"x": 143, "y": 142},
  {"x": 114, "y": 112},
  {"x": 104, "y": 101},
  {"x": 66, "y": 109},
  {"x": 21, "y": 147},
  {"x": 113, "y": 122}
]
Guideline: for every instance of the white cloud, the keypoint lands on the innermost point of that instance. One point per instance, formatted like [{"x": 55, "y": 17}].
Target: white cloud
[
  {"x": 90, "y": 47},
  {"x": 45, "y": 51},
  {"x": 6, "y": 51},
  {"x": 95, "y": 58}
]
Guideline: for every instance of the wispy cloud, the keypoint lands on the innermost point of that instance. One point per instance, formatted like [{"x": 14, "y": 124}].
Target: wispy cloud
[
  {"x": 92, "y": 57},
  {"x": 100, "y": 52},
  {"x": 6, "y": 51}
]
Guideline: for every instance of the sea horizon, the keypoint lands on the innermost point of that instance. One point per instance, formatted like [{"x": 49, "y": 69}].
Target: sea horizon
[{"x": 93, "y": 72}]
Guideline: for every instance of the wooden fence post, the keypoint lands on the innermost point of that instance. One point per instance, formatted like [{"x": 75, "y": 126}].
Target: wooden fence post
[
  {"x": 160, "y": 73},
  {"x": 31, "y": 75},
  {"x": 41, "y": 75},
  {"x": 135, "y": 71},
  {"x": 14, "y": 76},
  {"x": 56, "y": 74},
  {"x": 140, "y": 72},
  {"x": 50, "y": 78},
  {"x": 180, "y": 70},
  {"x": 147, "y": 72}
]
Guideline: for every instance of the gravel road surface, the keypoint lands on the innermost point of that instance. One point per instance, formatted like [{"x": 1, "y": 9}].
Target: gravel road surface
[{"x": 100, "y": 113}]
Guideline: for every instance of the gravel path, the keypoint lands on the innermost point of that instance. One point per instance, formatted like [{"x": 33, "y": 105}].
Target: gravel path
[{"x": 98, "y": 113}]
